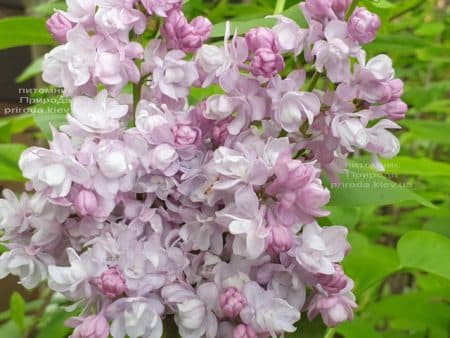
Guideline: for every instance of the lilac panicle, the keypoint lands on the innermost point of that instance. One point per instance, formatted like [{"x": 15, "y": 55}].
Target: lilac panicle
[{"x": 201, "y": 215}]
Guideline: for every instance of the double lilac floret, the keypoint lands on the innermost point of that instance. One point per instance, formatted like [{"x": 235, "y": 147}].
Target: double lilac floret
[{"x": 266, "y": 60}]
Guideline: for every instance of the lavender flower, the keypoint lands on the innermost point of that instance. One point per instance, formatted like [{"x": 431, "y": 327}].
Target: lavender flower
[{"x": 206, "y": 214}]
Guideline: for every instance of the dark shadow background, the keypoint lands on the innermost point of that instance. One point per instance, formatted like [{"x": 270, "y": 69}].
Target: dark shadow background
[{"x": 12, "y": 62}]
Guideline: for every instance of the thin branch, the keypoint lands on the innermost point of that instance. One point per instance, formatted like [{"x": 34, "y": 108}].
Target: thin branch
[
  {"x": 351, "y": 9},
  {"x": 279, "y": 7},
  {"x": 314, "y": 81},
  {"x": 31, "y": 332}
]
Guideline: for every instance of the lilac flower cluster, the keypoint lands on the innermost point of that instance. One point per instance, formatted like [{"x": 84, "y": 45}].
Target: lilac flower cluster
[{"x": 203, "y": 215}]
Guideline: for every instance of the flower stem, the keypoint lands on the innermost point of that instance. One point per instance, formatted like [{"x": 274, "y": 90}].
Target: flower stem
[
  {"x": 330, "y": 333},
  {"x": 45, "y": 294},
  {"x": 351, "y": 9},
  {"x": 314, "y": 80},
  {"x": 137, "y": 89},
  {"x": 170, "y": 329},
  {"x": 279, "y": 7}
]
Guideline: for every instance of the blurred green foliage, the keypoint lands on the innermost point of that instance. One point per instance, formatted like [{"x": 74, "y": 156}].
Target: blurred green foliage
[{"x": 400, "y": 234}]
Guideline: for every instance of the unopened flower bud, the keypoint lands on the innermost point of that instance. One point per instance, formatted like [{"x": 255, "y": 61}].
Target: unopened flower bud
[
  {"x": 184, "y": 35},
  {"x": 318, "y": 9},
  {"x": 220, "y": 131},
  {"x": 334, "y": 309},
  {"x": 335, "y": 283},
  {"x": 92, "y": 327},
  {"x": 396, "y": 110},
  {"x": 244, "y": 331},
  {"x": 340, "y": 7},
  {"x": 111, "y": 283},
  {"x": 232, "y": 301},
  {"x": 266, "y": 63},
  {"x": 396, "y": 86},
  {"x": 86, "y": 203},
  {"x": 363, "y": 25},
  {"x": 262, "y": 37},
  {"x": 58, "y": 26},
  {"x": 280, "y": 239},
  {"x": 202, "y": 26},
  {"x": 185, "y": 135}
]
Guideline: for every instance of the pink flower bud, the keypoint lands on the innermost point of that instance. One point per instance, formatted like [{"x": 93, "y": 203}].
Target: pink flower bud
[
  {"x": 185, "y": 135},
  {"x": 385, "y": 94},
  {"x": 318, "y": 9},
  {"x": 232, "y": 301},
  {"x": 86, "y": 203},
  {"x": 340, "y": 7},
  {"x": 266, "y": 63},
  {"x": 92, "y": 327},
  {"x": 244, "y": 331},
  {"x": 58, "y": 26},
  {"x": 202, "y": 26},
  {"x": 396, "y": 110},
  {"x": 280, "y": 239},
  {"x": 187, "y": 37},
  {"x": 262, "y": 37},
  {"x": 220, "y": 131},
  {"x": 334, "y": 310},
  {"x": 111, "y": 283},
  {"x": 363, "y": 25},
  {"x": 396, "y": 86},
  {"x": 161, "y": 7},
  {"x": 312, "y": 196},
  {"x": 335, "y": 283}
]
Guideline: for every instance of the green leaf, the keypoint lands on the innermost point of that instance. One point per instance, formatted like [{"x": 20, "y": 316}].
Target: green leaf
[
  {"x": 433, "y": 283},
  {"x": 433, "y": 131},
  {"x": 416, "y": 166},
  {"x": 10, "y": 126},
  {"x": 17, "y": 308},
  {"x": 23, "y": 31},
  {"x": 363, "y": 186},
  {"x": 430, "y": 29},
  {"x": 240, "y": 26},
  {"x": 20, "y": 123},
  {"x": 425, "y": 250},
  {"x": 412, "y": 311},
  {"x": 49, "y": 7},
  {"x": 358, "y": 328},
  {"x": 438, "y": 106},
  {"x": 5, "y": 130},
  {"x": 243, "y": 26},
  {"x": 380, "y": 4},
  {"x": 34, "y": 69},
  {"x": 368, "y": 264},
  {"x": 199, "y": 94},
  {"x": 399, "y": 43},
  {"x": 314, "y": 329},
  {"x": 52, "y": 324},
  {"x": 9, "y": 157},
  {"x": 439, "y": 223},
  {"x": 10, "y": 330},
  {"x": 344, "y": 215},
  {"x": 436, "y": 54},
  {"x": 29, "y": 307}
]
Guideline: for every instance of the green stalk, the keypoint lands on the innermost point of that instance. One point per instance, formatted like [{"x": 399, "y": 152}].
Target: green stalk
[
  {"x": 330, "y": 333},
  {"x": 279, "y": 7},
  {"x": 170, "y": 329},
  {"x": 137, "y": 90},
  {"x": 351, "y": 9},
  {"x": 314, "y": 81}
]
